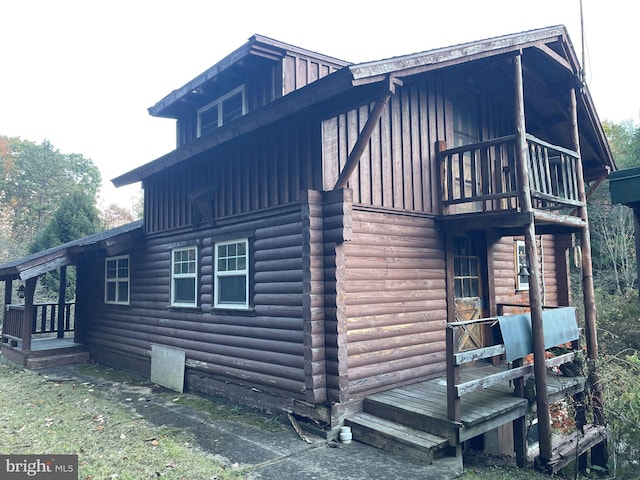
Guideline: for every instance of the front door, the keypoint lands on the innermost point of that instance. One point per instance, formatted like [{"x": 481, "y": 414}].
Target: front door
[{"x": 467, "y": 286}]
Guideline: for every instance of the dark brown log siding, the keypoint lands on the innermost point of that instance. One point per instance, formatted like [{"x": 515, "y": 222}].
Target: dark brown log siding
[
  {"x": 394, "y": 296},
  {"x": 264, "y": 348},
  {"x": 265, "y": 170},
  {"x": 553, "y": 251}
]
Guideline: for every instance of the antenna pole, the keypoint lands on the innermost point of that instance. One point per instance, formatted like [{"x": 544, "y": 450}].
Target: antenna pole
[{"x": 583, "y": 66}]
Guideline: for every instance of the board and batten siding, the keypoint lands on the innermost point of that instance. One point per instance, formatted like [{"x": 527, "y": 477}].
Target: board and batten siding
[
  {"x": 266, "y": 169},
  {"x": 264, "y": 348},
  {"x": 394, "y": 301},
  {"x": 398, "y": 168}
]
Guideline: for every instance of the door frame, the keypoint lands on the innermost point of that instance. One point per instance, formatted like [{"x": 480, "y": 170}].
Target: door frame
[{"x": 487, "y": 287}]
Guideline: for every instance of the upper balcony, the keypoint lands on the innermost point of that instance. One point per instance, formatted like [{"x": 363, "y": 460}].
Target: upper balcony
[{"x": 479, "y": 186}]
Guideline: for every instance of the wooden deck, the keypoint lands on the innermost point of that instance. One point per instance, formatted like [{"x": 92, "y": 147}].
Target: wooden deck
[
  {"x": 423, "y": 407},
  {"x": 46, "y": 352}
]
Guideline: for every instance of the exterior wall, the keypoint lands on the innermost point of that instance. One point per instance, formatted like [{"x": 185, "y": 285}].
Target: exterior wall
[
  {"x": 264, "y": 348},
  {"x": 264, "y": 170},
  {"x": 394, "y": 301},
  {"x": 552, "y": 250},
  {"x": 397, "y": 169}
]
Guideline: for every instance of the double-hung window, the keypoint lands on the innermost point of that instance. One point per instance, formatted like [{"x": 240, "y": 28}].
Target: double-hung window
[
  {"x": 221, "y": 111},
  {"x": 116, "y": 282},
  {"x": 232, "y": 274},
  {"x": 184, "y": 272}
]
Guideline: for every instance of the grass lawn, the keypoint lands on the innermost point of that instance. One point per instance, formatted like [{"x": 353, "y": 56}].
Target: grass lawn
[
  {"x": 39, "y": 416},
  {"x": 45, "y": 415}
]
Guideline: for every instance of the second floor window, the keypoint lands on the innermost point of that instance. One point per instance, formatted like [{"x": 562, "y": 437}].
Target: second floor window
[
  {"x": 184, "y": 271},
  {"x": 221, "y": 111}
]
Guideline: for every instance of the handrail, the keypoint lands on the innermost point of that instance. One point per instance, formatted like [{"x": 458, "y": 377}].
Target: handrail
[
  {"x": 481, "y": 177},
  {"x": 45, "y": 320},
  {"x": 455, "y": 359}
]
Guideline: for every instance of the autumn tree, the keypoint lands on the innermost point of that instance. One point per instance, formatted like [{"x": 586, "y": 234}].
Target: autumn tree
[
  {"x": 114, "y": 215},
  {"x": 34, "y": 180},
  {"x": 612, "y": 226}
]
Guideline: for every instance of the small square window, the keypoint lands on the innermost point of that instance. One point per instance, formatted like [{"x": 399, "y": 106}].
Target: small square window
[{"x": 221, "y": 111}]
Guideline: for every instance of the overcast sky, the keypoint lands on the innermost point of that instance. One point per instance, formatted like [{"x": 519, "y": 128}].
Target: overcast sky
[{"x": 82, "y": 73}]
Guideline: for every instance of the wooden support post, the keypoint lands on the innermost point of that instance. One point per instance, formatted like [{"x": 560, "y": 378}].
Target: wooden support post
[
  {"x": 8, "y": 293},
  {"x": 62, "y": 297},
  {"x": 599, "y": 453},
  {"x": 535, "y": 297},
  {"x": 27, "y": 319},
  {"x": 520, "y": 424}
]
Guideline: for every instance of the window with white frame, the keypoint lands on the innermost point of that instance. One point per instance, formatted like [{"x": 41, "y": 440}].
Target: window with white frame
[
  {"x": 184, "y": 271},
  {"x": 116, "y": 281},
  {"x": 221, "y": 111},
  {"x": 522, "y": 268},
  {"x": 232, "y": 274}
]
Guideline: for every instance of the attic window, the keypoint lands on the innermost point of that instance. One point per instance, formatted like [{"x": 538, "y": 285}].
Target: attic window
[{"x": 221, "y": 111}]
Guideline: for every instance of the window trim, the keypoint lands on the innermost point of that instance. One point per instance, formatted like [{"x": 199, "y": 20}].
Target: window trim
[
  {"x": 193, "y": 275},
  {"x": 218, "y": 102},
  {"x": 520, "y": 260},
  {"x": 117, "y": 280},
  {"x": 469, "y": 277},
  {"x": 217, "y": 275}
]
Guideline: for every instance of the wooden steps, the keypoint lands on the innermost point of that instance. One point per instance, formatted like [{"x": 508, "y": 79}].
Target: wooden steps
[
  {"x": 40, "y": 362},
  {"x": 396, "y": 438}
]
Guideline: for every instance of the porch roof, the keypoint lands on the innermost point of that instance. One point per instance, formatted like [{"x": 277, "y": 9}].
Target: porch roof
[
  {"x": 111, "y": 241},
  {"x": 365, "y": 79}
]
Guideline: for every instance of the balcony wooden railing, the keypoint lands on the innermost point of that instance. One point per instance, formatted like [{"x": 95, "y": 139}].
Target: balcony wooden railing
[
  {"x": 45, "y": 320},
  {"x": 481, "y": 177}
]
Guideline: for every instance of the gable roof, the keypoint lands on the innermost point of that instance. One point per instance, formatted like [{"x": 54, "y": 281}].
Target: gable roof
[
  {"x": 36, "y": 264},
  {"x": 552, "y": 42},
  {"x": 258, "y": 46}
]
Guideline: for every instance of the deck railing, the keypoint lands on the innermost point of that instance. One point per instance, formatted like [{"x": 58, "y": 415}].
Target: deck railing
[
  {"x": 481, "y": 177},
  {"x": 516, "y": 372},
  {"x": 45, "y": 320}
]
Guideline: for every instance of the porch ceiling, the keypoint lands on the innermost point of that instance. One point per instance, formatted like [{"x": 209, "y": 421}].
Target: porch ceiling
[{"x": 36, "y": 264}]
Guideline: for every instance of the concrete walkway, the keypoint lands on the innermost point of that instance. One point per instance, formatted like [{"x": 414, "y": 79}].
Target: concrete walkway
[{"x": 269, "y": 456}]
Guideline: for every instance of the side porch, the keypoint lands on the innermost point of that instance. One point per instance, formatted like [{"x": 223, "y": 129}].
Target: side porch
[
  {"x": 44, "y": 334},
  {"x": 488, "y": 397},
  {"x": 50, "y": 340}
]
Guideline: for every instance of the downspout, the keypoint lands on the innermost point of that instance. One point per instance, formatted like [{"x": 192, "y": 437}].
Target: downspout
[
  {"x": 539, "y": 362},
  {"x": 365, "y": 134}
]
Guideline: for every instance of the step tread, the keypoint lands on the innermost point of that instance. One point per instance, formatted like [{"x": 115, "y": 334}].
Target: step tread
[
  {"x": 58, "y": 360},
  {"x": 398, "y": 431}
]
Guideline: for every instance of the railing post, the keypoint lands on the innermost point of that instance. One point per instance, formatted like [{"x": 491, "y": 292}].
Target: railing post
[
  {"x": 27, "y": 319},
  {"x": 62, "y": 296},
  {"x": 441, "y": 146},
  {"x": 453, "y": 376}
]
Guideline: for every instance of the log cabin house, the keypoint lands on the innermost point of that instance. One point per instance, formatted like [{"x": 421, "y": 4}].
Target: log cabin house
[{"x": 378, "y": 244}]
